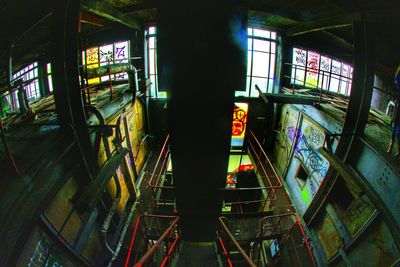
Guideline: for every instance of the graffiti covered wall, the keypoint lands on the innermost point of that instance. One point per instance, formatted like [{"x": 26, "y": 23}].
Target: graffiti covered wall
[{"x": 297, "y": 147}]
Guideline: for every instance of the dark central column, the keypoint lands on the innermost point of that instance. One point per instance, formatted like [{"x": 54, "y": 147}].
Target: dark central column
[{"x": 202, "y": 55}]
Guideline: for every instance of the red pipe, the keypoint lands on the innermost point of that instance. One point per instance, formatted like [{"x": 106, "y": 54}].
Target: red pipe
[
  {"x": 225, "y": 252},
  {"x": 169, "y": 252},
  {"x": 305, "y": 240},
  {"x": 132, "y": 242}
]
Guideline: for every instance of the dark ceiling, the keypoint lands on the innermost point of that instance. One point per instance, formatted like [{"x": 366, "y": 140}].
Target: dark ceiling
[{"x": 323, "y": 25}]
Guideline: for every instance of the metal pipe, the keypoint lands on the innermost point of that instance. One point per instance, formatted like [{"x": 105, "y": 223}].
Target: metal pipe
[
  {"x": 7, "y": 149},
  {"x": 129, "y": 145},
  {"x": 110, "y": 80},
  {"x": 140, "y": 145},
  {"x": 123, "y": 234},
  {"x": 128, "y": 257},
  {"x": 110, "y": 214},
  {"x": 305, "y": 240},
  {"x": 111, "y": 211}
]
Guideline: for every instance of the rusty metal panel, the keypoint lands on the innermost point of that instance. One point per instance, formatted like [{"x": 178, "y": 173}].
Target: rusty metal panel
[
  {"x": 381, "y": 176},
  {"x": 328, "y": 236},
  {"x": 377, "y": 248},
  {"x": 321, "y": 118}
]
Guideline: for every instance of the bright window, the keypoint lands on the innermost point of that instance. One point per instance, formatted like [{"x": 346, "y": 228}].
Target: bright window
[
  {"x": 29, "y": 75},
  {"x": 261, "y": 62},
  {"x": 310, "y": 69},
  {"x": 151, "y": 62},
  {"x": 107, "y": 54},
  {"x": 49, "y": 77}
]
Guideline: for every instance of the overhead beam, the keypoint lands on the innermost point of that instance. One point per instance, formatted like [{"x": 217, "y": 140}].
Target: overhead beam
[
  {"x": 293, "y": 99},
  {"x": 109, "y": 12},
  {"x": 91, "y": 19},
  {"x": 322, "y": 24}
]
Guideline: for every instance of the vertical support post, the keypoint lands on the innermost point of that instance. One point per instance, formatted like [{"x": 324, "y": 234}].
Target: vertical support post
[
  {"x": 43, "y": 81},
  {"x": 65, "y": 73},
  {"x": 361, "y": 93}
]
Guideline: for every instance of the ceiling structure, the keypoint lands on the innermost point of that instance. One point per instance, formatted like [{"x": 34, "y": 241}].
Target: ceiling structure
[{"x": 322, "y": 25}]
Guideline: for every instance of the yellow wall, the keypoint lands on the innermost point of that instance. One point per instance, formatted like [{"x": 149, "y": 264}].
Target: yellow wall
[{"x": 135, "y": 118}]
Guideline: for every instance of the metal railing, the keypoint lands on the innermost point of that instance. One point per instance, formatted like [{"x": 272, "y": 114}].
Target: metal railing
[
  {"x": 277, "y": 240},
  {"x": 271, "y": 187},
  {"x": 157, "y": 178},
  {"x": 144, "y": 249},
  {"x": 274, "y": 192}
]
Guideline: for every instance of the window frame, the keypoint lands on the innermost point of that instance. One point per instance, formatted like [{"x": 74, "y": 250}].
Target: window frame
[
  {"x": 30, "y": 75},
  {"x": 99, "y": 63},
  {"x": 250, "y": 77},
  {"x": 330, "y": 75}
]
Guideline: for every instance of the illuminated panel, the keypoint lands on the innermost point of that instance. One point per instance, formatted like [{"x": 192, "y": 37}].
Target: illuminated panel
[
  {"x": 92, "y": 61},
  {"x": 299, "y": 62},
  {"x": 237, "y": 163},
  {"x": 121, "y": 56},
  {"x": 239, "y": 124},
  {"x": 312, "y": 69},
  {"x": 106, "y": 56},
  {"x": 325, "y": 69},
  {"x": 49, "y": 77}
]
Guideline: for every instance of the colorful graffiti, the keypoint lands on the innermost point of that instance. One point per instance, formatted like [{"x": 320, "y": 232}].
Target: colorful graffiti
[
  {"x": 232, "y": 178},
  {"x": 239, "y": 124},
  {"x": 306, "y": 148}
]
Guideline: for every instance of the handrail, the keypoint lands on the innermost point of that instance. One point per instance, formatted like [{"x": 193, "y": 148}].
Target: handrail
[
  {"x": 158, "y": 161},
  {"x": 266, "y": 157},
  {"x": 151, "y": 251},
  {"x": 306, "y": 241},
  {"x": 283, "y": 228},
  {"x": 235, "y": 243}
]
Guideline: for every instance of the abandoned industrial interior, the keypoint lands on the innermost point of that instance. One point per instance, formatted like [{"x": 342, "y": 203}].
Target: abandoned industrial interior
[{"x": 199, "y": 133}]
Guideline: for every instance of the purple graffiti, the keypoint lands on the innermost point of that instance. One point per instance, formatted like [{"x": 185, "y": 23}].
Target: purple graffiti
[
  {"x": 293, "y": 132},
  {"x": 305, "y": 147},
  {"x": 120, "y": 52}
]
